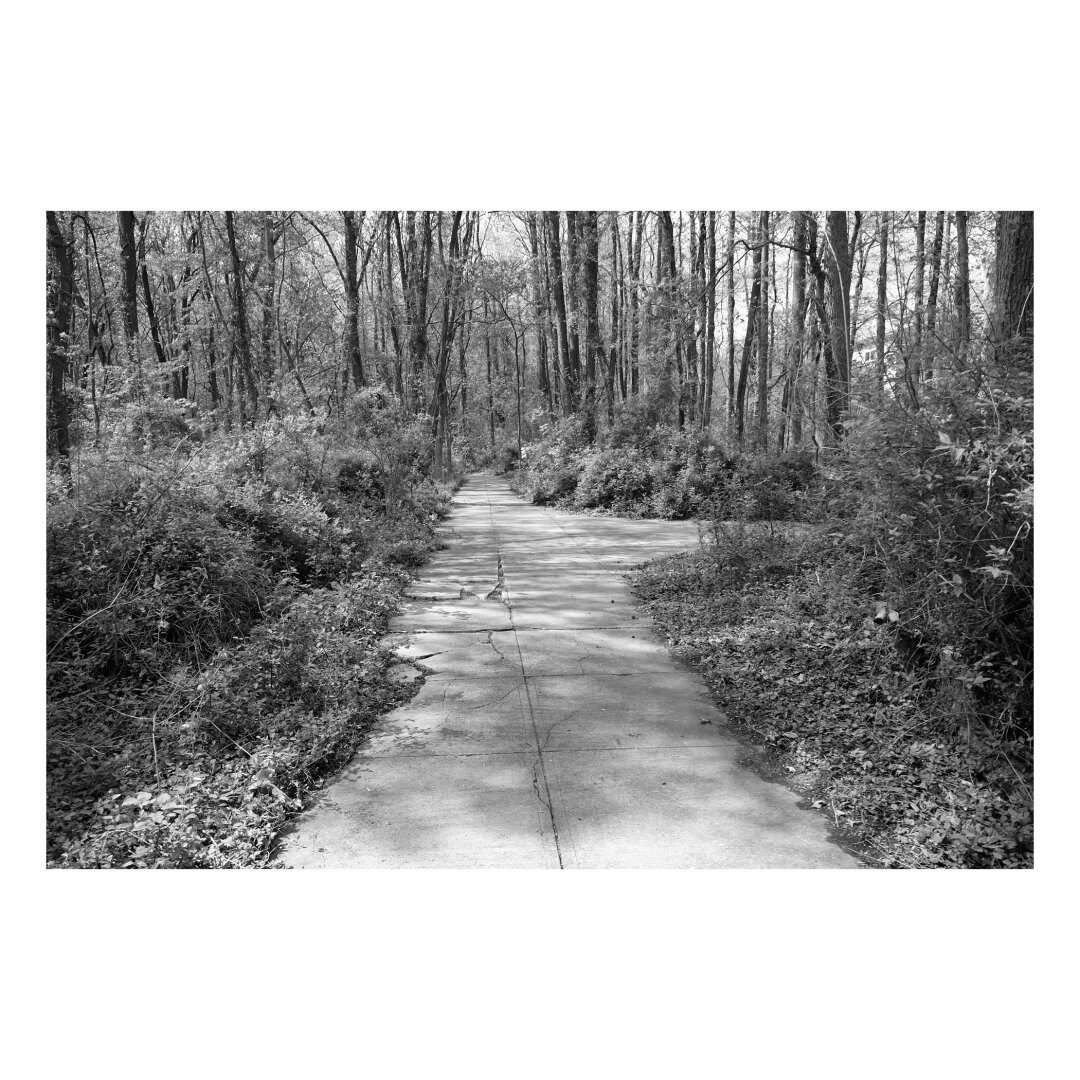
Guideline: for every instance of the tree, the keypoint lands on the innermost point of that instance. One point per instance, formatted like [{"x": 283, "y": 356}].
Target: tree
[
  {"x": 710, "y": 321},
  {"x": 962, "y": 341},
  {"x": 882, "y": 301},
  {"x": 540, "y": 311},
  {"x": 452, "y": 313},
  {"x": 591, "y": 267},
  {"x": 242, "y": 338},
  {"x": 61, "y": 288},
  {"x": 1013, "y": 280},
  {"x": 729, "y": 275},
  {"x": 569, "y": 381},
  {"x": 671, "y": 379},
  {"x": 914, "y": 362},
  {"x": 125, "y": 220},
  {"x": 352, "y": 294},
  {"x": 763, "y": 340},
  {"x": 617, "y": 349},
  {"x": 790, "y": 407},
  {"x": 932, "y": 300},
  {"x": 838, "y": 358},
  {"x": 753, "y": 314},
  {"x": 635, "y": 240}
]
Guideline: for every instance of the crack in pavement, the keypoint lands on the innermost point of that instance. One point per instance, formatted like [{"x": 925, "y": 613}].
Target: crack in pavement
[
  {"x": 498, "y": 652},
  {"x": 538, "y": 765},
  {"x": 494, "y": 701}
]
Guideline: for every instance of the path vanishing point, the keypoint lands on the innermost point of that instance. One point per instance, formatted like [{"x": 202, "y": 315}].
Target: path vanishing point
[{"x": 553, "y": 729}]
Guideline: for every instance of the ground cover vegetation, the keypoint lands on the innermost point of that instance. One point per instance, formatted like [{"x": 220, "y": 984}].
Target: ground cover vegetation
[
  {"x": 214, "y": 611},
  {"x": 254, "y": 418}
]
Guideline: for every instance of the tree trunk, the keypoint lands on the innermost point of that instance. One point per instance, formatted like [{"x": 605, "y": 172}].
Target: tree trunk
[
  {"x": 551, "y": 218},
  {"x": 267, "y": 336},
  {"x": 752, "y": 315},
  {"x": 386, "y": 280},
  {"x": 191, "y": 247},
  {"x": 635, "y": 240},
  {"x": 490, "y": 383},
  {"x": 963, "y": 292},
  {"x": 838, "y": 359},
  {"x": 790, "y": 404},
  {"x": 355, "y": 360},
  {"x": 440, "y": 401},
  {"x": 130, "y": 278},
  {"x": 671, "y": 380},
  {"x": 1012, "y": 320},
  {"x": 555, "y": 365},
  {"x": 573, "y": 306},
  {"x": 590, "y": 237},
  {"x": 616, "y": 337},
  {"x": 151, "y": 315},
  {"x": 243, "y": 341},
  {"x": 729, "y": 273},
  {"x": 914, "y": 362},
  {"x": 414, "y": 258},
  {"x": 710, "y": 321},
  {"x": 1014, "y": 275},
  {"x": 930, "y": 339},
  {"x": 61, "y": 289},
  {"x": 763, "y": 340},
  {"x": 540, "y": 312},
  {"x": 882, "y": 300}
]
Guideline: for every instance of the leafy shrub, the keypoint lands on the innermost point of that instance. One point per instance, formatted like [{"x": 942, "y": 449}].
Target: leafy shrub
[
  {"x": 172, "y": 568},
  {"x": 637, "y": 469},
  {"x": 313, "y": 657},
  {"x": 508, "y": 459},
  {"x": 360, "y": 477},
  {"x": 949, "y": 528},
  {"x": 615, "y": 479}
]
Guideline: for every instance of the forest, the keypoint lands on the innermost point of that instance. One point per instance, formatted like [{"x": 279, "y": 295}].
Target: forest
[{"x": 256, "y": 420}]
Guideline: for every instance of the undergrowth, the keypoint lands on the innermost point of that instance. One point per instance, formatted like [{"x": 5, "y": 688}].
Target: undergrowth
[
  {"x": 636, "y": 470},
  {"x": 806, "y": 667},
  {"x": 214, "y": 610},
  {"x": 885, "y": 654}
]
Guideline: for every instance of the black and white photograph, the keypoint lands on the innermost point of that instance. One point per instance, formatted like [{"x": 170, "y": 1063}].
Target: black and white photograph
[
  {"x": 363, "y": 565},
  {"x": 540, "y": 539}
]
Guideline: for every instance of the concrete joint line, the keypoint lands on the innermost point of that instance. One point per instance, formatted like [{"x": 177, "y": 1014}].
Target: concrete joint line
[{"x": 539, "y": 770}]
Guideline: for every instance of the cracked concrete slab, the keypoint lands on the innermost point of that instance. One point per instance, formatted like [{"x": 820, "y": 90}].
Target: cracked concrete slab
[
  {"x": 453, "y": 716},
  {"x": 682, "y": 808},
  {"x": 553, "y": 729},
  {"x": 614, "y": 650},
  {"x": 441, "y": 812},
  {"x": 595, "y": 712},
  {"x": 476, "y": 654}
]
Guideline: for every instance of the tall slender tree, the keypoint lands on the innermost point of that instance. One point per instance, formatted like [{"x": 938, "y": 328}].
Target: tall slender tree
[
  {"x": 355, "y": 360},
  {"x": 590, "y": 248},
  {"x": 569, "y": 380},
  {"x": 61, "y": 290},
  {"x": 838, "y": 359},
  {"x": 882, "y": 300},
  {"x": 962, "y": 341},
  {"x": 929, "y": 352},
  {"x": 242, "y": 338},
  {"x": 729, "y": 275},
  {"x": 710, "y": 321}
]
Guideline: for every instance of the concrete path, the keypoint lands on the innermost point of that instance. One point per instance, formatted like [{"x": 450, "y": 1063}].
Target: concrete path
[{"x": 554, "y": 729}]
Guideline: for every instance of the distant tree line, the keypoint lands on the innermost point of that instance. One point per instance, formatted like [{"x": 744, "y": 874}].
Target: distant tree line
[{"x": 776, "y": 328}]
